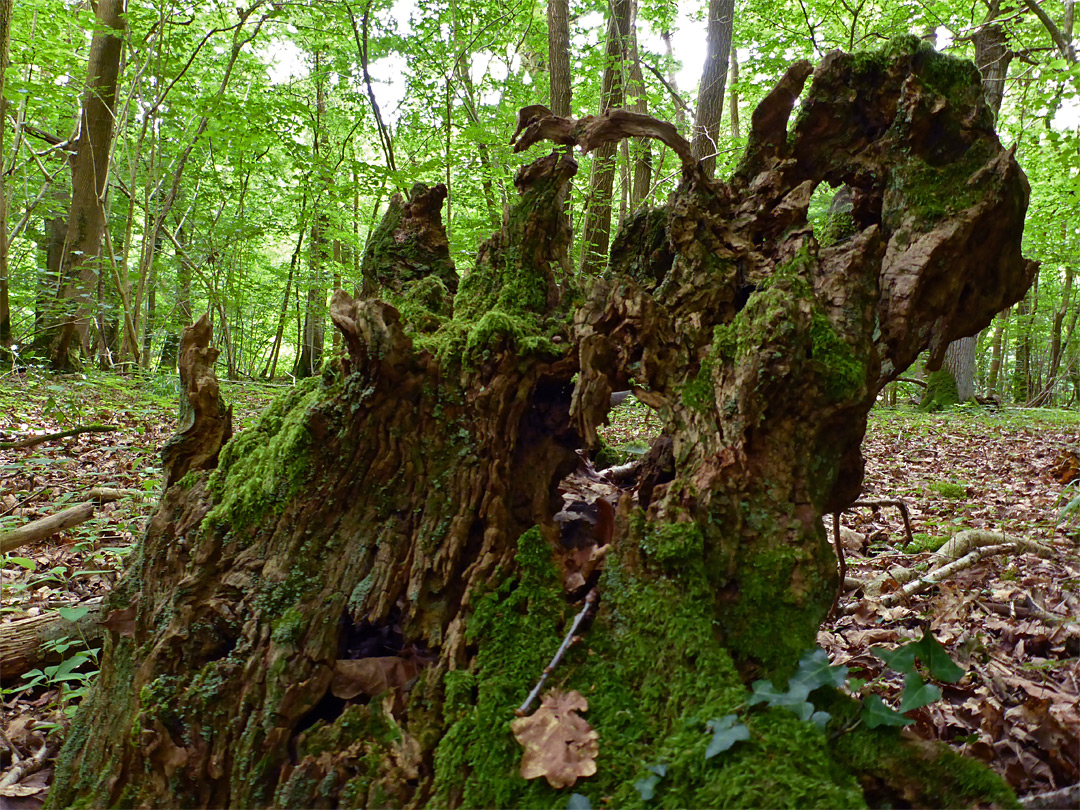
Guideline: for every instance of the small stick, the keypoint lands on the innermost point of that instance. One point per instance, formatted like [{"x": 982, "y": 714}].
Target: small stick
[
  {"x": 590, "y": 600},
  {"x": 33, "y": 441},
  {"x": 843, "y": 563},
  {"x": 45, "y": 527}
]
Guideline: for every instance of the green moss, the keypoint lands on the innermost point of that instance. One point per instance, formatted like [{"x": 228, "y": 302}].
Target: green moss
[
  {"x": 843, "y": 374},
  {"x": 940, "y": 392},
  {"x": 838, "y": 226},
  {"x": 949, "y": 489},
  {"x": 672, "y": 543},
  {"x": 920, "y": 541},
  {"x": 927, "y": 774},
  {"x": 265, "y": 465}
]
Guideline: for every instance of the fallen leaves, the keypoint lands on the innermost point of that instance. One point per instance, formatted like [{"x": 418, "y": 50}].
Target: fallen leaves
[{"x": 559, "y": 744}]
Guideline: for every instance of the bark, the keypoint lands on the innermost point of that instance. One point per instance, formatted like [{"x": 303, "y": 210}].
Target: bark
[
  {"x": 993, "y": 376},
  {"x": 45, "y": 527},
  {"x": 558, "y": 15},
  {"x": 6, "y": 7},
  {"x": 1021, "y": 375},
  {"x": 401, "y": 516},
  {"x": 710, "y": 106},
  {"x": 596, "y": 233},
  {"x": 641, "y": 151},
  {"x": 1057, "y": 346},
  {"x": 733, "y": 112},
  {"x": 89, "y": 181}
]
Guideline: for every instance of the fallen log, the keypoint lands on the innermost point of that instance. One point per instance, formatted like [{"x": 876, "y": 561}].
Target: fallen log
[
  {"x": 46, "y": 527},
  {"x": 34, "y": 441},
  {"x": 24, "y": 643}
]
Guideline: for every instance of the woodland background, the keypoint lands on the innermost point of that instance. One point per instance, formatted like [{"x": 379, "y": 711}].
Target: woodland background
[{"x": 251, "y": 150}]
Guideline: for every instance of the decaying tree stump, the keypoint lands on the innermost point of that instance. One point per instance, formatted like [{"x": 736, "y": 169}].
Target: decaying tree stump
[{"x": 347, "y": 611}]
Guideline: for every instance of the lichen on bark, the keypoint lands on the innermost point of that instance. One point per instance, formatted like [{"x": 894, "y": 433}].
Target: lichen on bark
[{"x": 403, "y": 505}]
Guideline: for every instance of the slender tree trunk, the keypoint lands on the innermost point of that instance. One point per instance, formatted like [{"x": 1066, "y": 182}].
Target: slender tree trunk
[
  {"x": 733, "y": 115},
  {"x": 597, "y": 231},
  {"x": 993, "y": 376},
  {"x": 640, "y": 150},
  {"x": 1021, "y": 376},
  {"x": 1045, "y": 396},
  {"x": 710, "y": 106},
  {"x": 680, "y": 112},
  {"x": 6, "y": 7},
  {"x": 558, "y": 16},
  {"x": 89, "y": 184},
  {"x": 311, "y": 347}
]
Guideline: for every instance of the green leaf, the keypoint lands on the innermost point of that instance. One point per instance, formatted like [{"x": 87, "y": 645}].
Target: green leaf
[
  {"x": 726, "y": 732},
  {"x": 763, "y": 691},
  {"x": 875, "y": 713},
  {"x": 72, "y": 614},
  {"x": 578, "y": 802},
  {"x": 22, "y": 562},
  {"x": 901, "y": 660},
  {"x": 815, "y": 670},
  {"x": 820, "y": 719},
  {"x": 937, "y": 660},
  {"x": 917, "y": 693}
]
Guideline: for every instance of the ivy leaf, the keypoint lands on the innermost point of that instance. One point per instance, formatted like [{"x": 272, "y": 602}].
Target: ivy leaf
[
  {"x": 816, "y": 670},
  {"x": 578, "y": 802},
  {"x": 763, "y": 691},
  {"x": 917, "y": 693},
  {"x": 725, "y": 734},
  {"x": 820, "y": 719},
  {"x": 936, "y": 659},
  {"x": 901, "y": 660},
  {"x": 646, "y": 787},
  {"x": 876, "y": 713}
]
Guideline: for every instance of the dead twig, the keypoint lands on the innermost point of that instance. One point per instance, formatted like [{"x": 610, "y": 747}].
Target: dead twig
[
  {"x": 34, "y": 441},
  {"x": 590, "y": 600},
  {"x": 903, "y": 507}
]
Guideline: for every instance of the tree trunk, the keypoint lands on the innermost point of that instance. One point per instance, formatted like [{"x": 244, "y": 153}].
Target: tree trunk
[
  {"x": 597, "y": 230},
  {"x": 6, "y": 7},
  {"x": 348, "y": 611},
  {"x": 558, "y": 15},
  {"x": 1021, "y": 376},
  {"x": 993, "y": 376},
  {"x": 89, "y": 181},
  {"x": 733, "y": 115},
  {"x": 710, "y": 106},
  {"x": 1046, "y": 395}
]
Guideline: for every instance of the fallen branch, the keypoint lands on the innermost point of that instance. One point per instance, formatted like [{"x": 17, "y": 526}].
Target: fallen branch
[
  {"x": 19, "y": 771},
  {"x": 590, "y": 600},
  {"x": 45, "y": 527},
  {"x": 961, "y": 552},
  {"x": 903, "y": 507},
  {"x": 34, "y": 441},
  {"x": 108, "y": 494}
]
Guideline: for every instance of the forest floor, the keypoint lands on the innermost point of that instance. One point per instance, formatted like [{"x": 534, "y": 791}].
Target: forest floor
[{"x": 1009, "y": 619}]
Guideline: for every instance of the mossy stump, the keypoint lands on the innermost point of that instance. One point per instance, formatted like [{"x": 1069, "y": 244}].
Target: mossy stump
[{"x": 399, "y": 509}]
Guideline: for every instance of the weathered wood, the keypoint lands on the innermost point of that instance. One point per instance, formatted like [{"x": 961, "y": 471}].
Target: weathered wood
[
  {"x": 205, "y": 421},
  {"x": 405, "y": 507},
  {"x": 45, "y": 527},
  {"x": 23, "y": 641}
]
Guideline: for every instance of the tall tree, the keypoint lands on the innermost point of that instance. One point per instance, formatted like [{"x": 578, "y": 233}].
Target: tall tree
[
  {"x": 89, "y": 185},
  {"x": 710, "y": 106},
  {"x": 596, "y": 233},
  {"x": 6, "y": 7},
  {"x": 558, "y": 16}
]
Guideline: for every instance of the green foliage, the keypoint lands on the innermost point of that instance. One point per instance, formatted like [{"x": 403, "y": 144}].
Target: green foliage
[{"x": 949, "y": 489}]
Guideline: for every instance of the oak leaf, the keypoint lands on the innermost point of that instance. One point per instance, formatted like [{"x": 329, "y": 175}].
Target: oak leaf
[{"x": 559, "y": 744}]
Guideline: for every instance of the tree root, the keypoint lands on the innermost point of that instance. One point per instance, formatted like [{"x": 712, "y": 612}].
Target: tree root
[{"x": 962, "y": 552}]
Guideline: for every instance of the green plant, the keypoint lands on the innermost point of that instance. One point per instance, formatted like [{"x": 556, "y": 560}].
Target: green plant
[{"x": 949, "y": 489}]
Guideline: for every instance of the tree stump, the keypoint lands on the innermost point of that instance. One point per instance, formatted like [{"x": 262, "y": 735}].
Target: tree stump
[{"x": 347, "y": 611}]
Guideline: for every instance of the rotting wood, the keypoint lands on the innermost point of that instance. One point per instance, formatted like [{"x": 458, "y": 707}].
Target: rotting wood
[
  {"x": 46, "y": 527},
  {"x": 23, "y": 642}
]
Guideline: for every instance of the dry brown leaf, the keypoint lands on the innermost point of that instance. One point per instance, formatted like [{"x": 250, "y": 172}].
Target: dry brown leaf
[
  {"x": 121, "y": 621},
  {"x": 559, "y": 744},
  {"x": 370, "y": 676}
]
